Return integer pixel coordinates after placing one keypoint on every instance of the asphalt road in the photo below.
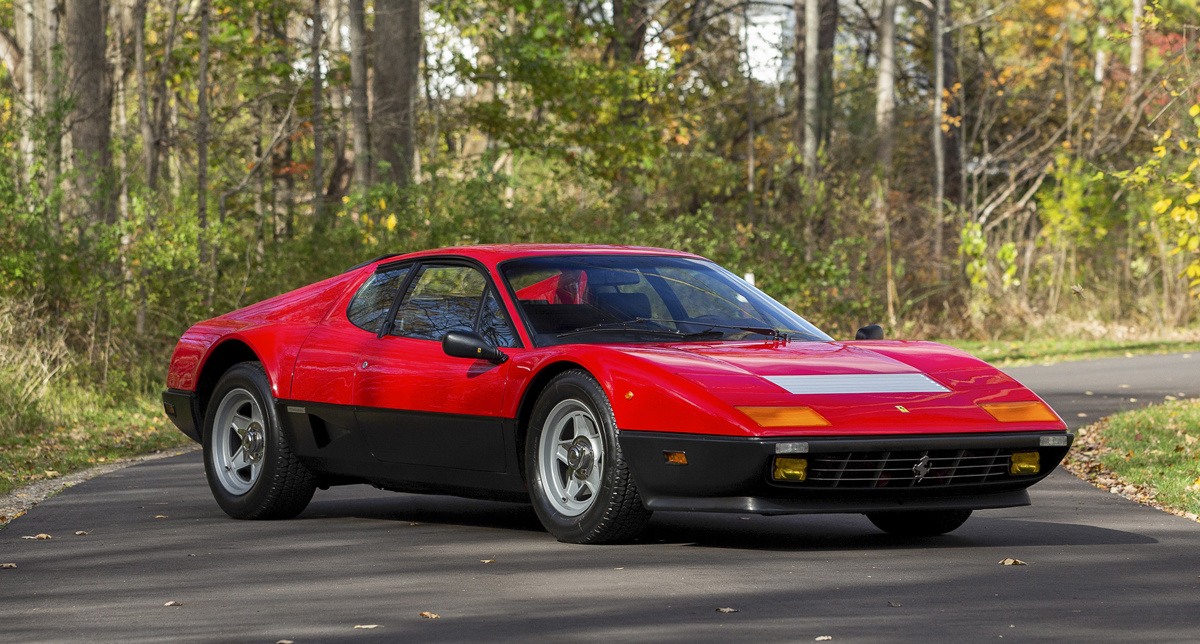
(1100, 568)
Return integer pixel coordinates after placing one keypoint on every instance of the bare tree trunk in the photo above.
(149, 139)
(885, 113)
(1136, 55)
(153, 112)
(91, 119)
(939, 153)
(825, 41)
(1098, 90)
(202, 135)
(630, 17)
(812, 81)
(749, 117)
(885, 87)
(398, 31)
(358, 94)
(318, 95)
(951, 135)
(54, 132)
(27, 66)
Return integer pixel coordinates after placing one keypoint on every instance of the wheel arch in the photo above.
(537, 384)
(224, 356)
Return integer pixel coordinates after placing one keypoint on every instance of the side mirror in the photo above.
(869, 332)
(466, 344)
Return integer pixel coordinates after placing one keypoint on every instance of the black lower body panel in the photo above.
(845, 474)
(183, 409)
(330, 440)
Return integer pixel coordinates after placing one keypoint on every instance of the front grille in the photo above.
(906, 469)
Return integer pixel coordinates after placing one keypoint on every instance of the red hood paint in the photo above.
(734, 375)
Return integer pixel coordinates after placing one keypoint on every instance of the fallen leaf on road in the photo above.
(172, 603)
(823, 638)
(487, 561)
(51, 473)
(80, 533)
(39, 537)
(8, 565)
(366, 626)
(161, 516)
(1012, 562)
(728, 610)
(894, 604)
(414, 524)
(280, 641)
(429, 615)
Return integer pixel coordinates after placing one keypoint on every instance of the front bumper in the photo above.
(183, 408)
(847, 474)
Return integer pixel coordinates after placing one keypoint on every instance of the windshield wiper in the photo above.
(626, 326)
(760, 330)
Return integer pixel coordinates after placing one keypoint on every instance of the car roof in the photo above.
(493, 254)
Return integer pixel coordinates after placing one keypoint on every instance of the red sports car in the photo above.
(600, 383)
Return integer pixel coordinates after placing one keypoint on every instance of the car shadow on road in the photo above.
(853, 532)
(744, 532)
(430, 509)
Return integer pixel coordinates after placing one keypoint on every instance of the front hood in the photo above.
(862, 387)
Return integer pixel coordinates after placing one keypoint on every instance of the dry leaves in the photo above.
(429, 615)
(487, 561)
(1012, 562)
(366, 626)
(172, 603)
(728, 610)
(80, 533)
(39, 537)
(8, 565)
(823, 638)
(894, 604)
(161, 516)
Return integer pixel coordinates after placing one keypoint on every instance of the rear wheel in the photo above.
(919, 523)
(579, 484)
(250, 467)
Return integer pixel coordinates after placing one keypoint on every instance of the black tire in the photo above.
(606, 507)
(273, 483)
(919, 523)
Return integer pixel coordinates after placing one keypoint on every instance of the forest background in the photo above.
(951, 168)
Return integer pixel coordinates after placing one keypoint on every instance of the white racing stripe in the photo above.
(859, 383)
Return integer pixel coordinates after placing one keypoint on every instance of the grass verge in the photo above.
(1151, 455)
(1013, 353)
(91, 435)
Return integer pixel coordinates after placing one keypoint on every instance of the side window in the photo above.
(370, 305)
(441, 299)
(492, 324)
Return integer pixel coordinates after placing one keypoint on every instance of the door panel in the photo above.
(418, 406)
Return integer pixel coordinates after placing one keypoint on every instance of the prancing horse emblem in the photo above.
(921, 468)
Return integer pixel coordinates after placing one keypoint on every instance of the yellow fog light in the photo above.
(1019, 412)
(790, 469)
(784, 416)
(1024, 463)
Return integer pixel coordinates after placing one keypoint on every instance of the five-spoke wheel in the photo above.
(250, 466)
(579, 483)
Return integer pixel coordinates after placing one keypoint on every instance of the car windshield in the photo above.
(632, 298)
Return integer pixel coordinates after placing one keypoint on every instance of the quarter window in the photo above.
(371, 304)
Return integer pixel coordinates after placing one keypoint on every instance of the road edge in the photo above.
(15, 504)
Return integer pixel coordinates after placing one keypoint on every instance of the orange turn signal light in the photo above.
(1020, 412)
(675, 458)
(784, 416)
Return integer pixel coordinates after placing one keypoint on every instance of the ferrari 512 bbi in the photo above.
(599, 383)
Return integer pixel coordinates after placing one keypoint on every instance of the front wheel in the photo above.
(919, 523)
(579, 483)
(250, 467)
